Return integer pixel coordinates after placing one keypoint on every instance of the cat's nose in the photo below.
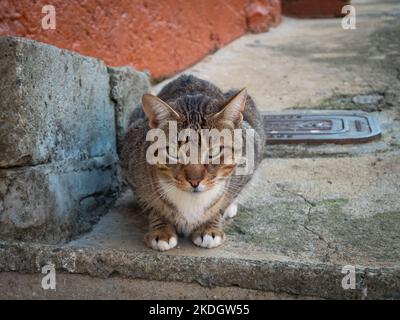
(194, 182)
(194, 174)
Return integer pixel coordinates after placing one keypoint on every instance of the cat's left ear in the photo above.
(157, 111)
(233, 108)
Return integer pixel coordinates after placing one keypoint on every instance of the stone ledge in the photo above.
(83, 287)
(289, 277)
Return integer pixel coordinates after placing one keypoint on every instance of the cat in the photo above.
(188, 199)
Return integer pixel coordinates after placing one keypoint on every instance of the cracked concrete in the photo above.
(310, 211)
(307, 223)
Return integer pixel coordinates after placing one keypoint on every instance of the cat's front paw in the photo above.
(231, 211)
(209, 238)
(161, 240)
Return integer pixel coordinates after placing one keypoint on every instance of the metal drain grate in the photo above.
(320, 127)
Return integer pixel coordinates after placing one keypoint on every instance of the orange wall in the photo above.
(162, 36)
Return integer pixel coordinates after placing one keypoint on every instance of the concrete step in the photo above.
(300, 222)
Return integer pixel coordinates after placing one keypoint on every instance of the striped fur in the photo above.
(166, 191)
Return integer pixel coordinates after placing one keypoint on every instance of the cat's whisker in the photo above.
(159, 189)
(162, 194)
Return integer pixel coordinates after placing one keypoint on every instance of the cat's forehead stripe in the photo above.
(194, 108)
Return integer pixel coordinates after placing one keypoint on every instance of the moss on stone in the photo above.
(296, 227)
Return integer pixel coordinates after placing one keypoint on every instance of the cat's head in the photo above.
(196, 112)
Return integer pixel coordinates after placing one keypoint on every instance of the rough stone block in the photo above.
(127, 88)
(60, 117)
(54, 105)
(54, 202)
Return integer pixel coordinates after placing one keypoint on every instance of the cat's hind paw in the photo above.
(161, 240)
(209, 239)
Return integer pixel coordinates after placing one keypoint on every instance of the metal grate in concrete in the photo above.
(320, 127)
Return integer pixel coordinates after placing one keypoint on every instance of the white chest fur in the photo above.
(191, 206)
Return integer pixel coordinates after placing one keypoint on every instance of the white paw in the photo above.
(162, 245)
(208, 241)
(231, 211)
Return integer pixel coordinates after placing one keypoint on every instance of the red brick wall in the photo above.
(162, 36)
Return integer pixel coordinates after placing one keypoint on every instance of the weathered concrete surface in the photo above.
(280, 242)
(55, 105)
(127, 88)
(54, 202)
(72, 286)
(309, 212)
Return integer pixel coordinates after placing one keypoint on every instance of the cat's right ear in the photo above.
(157, 110)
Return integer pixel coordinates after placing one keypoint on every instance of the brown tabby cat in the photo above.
(189, 199)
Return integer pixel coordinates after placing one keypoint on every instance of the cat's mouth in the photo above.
(197, 190)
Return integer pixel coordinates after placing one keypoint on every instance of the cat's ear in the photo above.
(157, 110)
(233, 108)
